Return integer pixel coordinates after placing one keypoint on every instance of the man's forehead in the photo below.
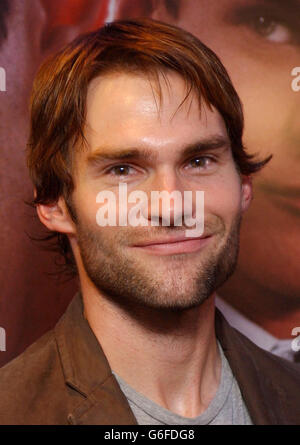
(123, 120)
(126, 102)
(157, 89)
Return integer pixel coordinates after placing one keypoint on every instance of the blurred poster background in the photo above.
(259, 43)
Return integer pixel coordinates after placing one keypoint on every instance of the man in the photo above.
(258, 42)
(144, 105)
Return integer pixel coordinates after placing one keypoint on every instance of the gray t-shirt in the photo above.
(226, 408)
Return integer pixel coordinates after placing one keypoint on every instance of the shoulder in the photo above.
(32, 386)
(30, 360)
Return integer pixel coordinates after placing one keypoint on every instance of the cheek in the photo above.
(86, 207)
(224, 199)
(100, 208)
(260, 119)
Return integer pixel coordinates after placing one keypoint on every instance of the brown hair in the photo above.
(58, 104)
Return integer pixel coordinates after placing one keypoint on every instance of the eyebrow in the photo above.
(215, 143)
(103, 154)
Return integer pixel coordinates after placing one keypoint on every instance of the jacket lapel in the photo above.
(87, 371)
(259, 375)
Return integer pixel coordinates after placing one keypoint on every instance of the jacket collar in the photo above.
(87, 371)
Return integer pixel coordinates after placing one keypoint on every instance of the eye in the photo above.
(271, 29)
(201, 163)
(277, 23)
(120, 170)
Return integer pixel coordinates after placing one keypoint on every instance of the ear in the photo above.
(56, 217)
(247, 192)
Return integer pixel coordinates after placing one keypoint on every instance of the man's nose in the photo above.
(165, 200)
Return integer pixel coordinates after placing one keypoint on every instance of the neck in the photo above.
(170, 357)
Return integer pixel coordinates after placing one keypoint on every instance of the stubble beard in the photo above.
(166, 283)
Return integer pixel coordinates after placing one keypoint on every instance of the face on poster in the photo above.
(29, 32)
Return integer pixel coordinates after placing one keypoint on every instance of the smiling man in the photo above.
(146, 104)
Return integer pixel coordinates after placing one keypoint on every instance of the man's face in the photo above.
(130, 141)
(259, 43)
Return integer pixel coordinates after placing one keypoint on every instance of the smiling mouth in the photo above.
(174, 246)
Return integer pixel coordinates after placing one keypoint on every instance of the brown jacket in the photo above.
(64, 378)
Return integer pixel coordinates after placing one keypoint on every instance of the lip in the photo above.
(174, 245)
